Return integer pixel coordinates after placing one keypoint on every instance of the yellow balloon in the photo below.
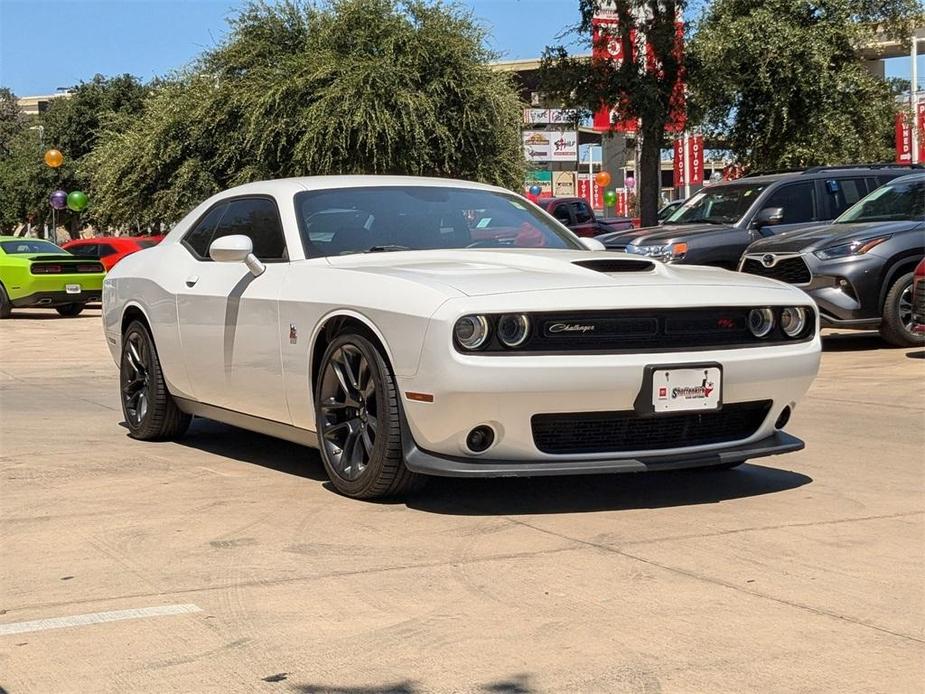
(54, 158)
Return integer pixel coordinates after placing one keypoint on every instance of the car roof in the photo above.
(822, 172)
(290, 186)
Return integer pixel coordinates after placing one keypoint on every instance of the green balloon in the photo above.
(610, 198)
(77, 200)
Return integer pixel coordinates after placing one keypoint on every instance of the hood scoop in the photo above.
(608, 265)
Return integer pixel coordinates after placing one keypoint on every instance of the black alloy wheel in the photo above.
(358, 421)
(150, 411)
(896, 327)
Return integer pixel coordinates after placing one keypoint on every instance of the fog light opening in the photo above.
(783, 418)
(480, 439)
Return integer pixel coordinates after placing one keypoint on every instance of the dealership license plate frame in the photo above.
(645, 400)
(72, 288)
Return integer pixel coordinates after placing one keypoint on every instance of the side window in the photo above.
(560, 212)
(258, 219)
(798, 201)
(843, 193)
(106, 249)
(86, 250)
(199, 237)
(582, 212)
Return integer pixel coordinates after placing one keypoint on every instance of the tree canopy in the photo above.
(352, 86)
(782, 82)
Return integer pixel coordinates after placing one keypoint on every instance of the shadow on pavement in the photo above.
(855, 341)
(916, 355)
(518, 684)
(51, 314)
(249, 447)
(539, 495)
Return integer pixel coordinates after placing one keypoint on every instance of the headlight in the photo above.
(793, 320)
(845, 250)
(513, 329)
(760, 321)
(471, 332)
(666, 253)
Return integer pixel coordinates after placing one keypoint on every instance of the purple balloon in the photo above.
(58, 199)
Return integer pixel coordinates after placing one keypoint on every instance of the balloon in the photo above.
(54, 158)
(602, 178)
(535, 189)
(77, 200)
(58, 200)
(630, 183)
(610, 198)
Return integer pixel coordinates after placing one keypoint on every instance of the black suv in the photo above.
(716, 225)
(859, 269)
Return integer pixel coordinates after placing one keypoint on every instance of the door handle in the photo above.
(192, 280)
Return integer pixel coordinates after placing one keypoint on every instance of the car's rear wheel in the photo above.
(149, 409)
(70, 310)
(896, 327)
(359, 422)
(6, 307)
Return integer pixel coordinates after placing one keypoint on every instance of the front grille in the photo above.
(616, 432)
(790, 270)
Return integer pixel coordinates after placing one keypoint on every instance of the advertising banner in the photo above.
(620, 206)
(920, 120)
(537, 146)
(590, 191)
(564, 145)
(695, 147)
(563, 184)
(680, 175)
(903, 140)
(549, 116)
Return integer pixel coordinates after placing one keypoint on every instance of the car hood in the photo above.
(654, 236)
(489, 271)
(822, 235)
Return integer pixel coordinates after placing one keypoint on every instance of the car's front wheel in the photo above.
(896, 327)
(359, 423)
(149, 409)
(70, 310)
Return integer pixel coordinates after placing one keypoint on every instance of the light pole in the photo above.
(48, 234)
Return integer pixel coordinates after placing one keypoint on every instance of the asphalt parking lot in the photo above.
(225, 563)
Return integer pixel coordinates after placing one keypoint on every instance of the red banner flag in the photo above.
(695, 156)
(920, 112)
(680, 175)
(903, 140)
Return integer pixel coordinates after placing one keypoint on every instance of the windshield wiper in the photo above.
(386, 248)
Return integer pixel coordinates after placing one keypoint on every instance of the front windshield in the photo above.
(896, 201)
(29, 246)
(342, 221)
(717, 205)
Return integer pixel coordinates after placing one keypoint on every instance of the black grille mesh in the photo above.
(615, 432)
(790, 270)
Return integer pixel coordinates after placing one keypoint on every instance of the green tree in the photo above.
(782, 82)
(642, 86)
(352, 86)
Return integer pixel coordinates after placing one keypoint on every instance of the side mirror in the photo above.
(236, 249)
(592, 244)
(768, 216)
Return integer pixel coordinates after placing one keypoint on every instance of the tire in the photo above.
(70, 310)
(896, 327)
(358, 421)
(149, 409)
(6, 307)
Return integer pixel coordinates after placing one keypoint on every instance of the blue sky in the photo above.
(46, 44)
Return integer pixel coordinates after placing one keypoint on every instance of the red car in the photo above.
(110, 249)
(918, 298)
(577, 215)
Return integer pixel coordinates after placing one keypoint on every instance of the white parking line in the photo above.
(79, 620)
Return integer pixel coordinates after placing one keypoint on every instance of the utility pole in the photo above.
(914, 98)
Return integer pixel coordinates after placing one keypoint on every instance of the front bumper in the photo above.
(428, 463)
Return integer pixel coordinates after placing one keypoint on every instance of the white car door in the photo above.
(228, 318)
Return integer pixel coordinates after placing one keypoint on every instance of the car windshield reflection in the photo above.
(718, 205)
(897, 201)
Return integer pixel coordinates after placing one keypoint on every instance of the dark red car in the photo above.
(577, 215)
(110, 249)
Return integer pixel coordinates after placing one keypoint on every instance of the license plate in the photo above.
(72, 288)
(680, 390)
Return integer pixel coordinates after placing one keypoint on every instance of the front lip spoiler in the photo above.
(427, 463)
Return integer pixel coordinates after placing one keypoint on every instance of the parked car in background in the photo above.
(363, 316)
(577, 215)
(918, 299)
(39, 274)
(860, 269)
(109, 249)
(716, 225)
(668, 209)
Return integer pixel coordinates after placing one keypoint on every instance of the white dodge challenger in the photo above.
(409, 327)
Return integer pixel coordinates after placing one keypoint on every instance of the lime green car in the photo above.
(39, 274)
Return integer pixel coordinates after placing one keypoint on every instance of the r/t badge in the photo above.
(293, 334)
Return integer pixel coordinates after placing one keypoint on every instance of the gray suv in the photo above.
(717, 224)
